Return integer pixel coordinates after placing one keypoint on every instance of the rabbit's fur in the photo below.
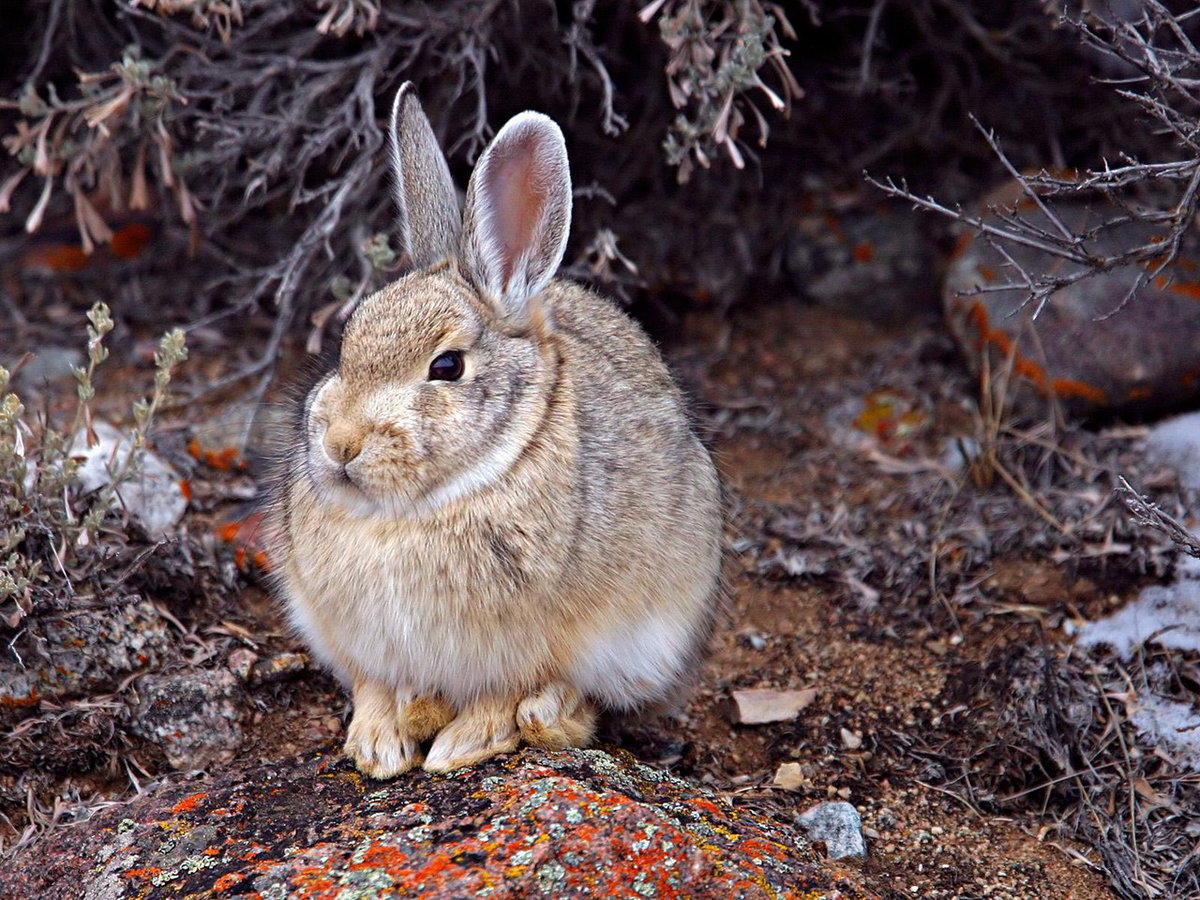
(490, 559)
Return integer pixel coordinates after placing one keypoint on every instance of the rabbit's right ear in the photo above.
(430, 220)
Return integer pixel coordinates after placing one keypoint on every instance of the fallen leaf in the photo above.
(760, 705)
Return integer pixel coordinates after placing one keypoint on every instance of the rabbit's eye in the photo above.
(447, 366)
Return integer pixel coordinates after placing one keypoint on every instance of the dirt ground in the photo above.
(881, 677)
(835, 438)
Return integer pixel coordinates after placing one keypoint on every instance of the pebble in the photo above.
(789, 776)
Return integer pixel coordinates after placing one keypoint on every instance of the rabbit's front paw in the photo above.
(380, 747)
(423, 717)
(480, 730)
(379, 739)
(556, 717)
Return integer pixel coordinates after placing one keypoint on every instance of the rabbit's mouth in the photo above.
(353, 490)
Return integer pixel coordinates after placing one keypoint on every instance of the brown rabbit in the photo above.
(497, 518)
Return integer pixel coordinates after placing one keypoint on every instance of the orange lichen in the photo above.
(961, 243)
(185, 488)
(228, 531)
(57, 258)
(147, 872)
(129, 241)
(864, 252)
(834, 226)
(32, 699)
(889, 415)
(1026, 368)
(708, 806)
(187, 804)
(55, 254)
(227, 459)
(1069, 387)
(1189, 289)
(228, 880)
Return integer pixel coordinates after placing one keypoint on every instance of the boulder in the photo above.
(580, 823)
(1087, 347)
(873, 262)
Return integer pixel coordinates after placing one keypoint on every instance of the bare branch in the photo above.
(1147, 514)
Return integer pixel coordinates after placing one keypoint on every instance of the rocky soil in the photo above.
(874, 559)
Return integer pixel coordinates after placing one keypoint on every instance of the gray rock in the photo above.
(1084, 348)
(192, 716)
(153, 494)
(838, 825)
(874, 264)
(532, 824)
(82, 652)
(50, 365)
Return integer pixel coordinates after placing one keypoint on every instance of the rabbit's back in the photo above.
(648, 532)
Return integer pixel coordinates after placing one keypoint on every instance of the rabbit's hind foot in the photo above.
(555, 718)
(482, 729)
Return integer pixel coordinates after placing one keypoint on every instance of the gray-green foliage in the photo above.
(48, 531)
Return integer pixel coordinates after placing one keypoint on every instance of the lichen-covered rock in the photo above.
(193, 716)
(535, 824)
(1089, 347)
(78, 652)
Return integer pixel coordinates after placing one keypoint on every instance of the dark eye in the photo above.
(447, 367)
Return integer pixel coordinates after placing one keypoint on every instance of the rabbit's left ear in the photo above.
(518, 213)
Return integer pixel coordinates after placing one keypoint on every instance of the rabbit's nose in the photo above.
(343, 442)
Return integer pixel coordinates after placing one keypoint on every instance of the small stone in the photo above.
(789, 776)
(754, 640)
(192, 716)
(241, 663)
(838, 826)
(153, 495)
(761, 705)
(852, 740)
(279, 667)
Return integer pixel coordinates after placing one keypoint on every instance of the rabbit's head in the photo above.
(444, 375)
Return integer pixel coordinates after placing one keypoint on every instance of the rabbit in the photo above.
(494, 519)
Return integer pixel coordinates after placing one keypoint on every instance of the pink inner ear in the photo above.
(516, 201)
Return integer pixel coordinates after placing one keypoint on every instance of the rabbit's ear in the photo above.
(429, 215)
(518, 213)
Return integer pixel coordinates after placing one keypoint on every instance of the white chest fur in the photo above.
(386, 600)
(412, 613)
